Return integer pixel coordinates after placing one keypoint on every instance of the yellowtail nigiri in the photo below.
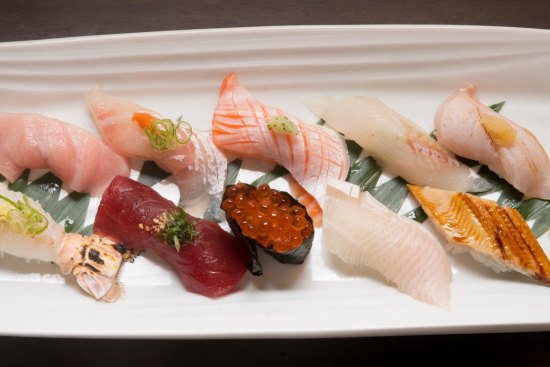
(311, 153)
(396, 142)
(361, 231)
(28, 232)
(472, 130)
(495, 236)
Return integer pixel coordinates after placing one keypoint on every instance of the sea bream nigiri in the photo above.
(363, 232)
(28, 232)
(472, 130)
(80, 159)
(495, 236)
(397, 143)
(245, 126)
(135, 131)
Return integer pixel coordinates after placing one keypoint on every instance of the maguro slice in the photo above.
(495, 236)
(363, 232)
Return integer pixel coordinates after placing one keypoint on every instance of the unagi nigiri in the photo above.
(495, 236)
(396, 142)
(81, 160)
(197, 165)
(472, 130)
(361, 231)
(28, 232)
(311, 153)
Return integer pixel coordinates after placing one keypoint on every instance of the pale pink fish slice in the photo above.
(363, 232)
(314, 155)
(472, 130)
(198, 166)
(81, 160)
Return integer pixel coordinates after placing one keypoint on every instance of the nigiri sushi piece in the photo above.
(495, 236)
(308, 201)
(197, 164)
(397, 143)
(472, 130)
(81, 160)
(207, 259)
(363, 232)
(311, 153)
(28, 232)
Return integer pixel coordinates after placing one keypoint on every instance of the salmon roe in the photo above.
(268, 216)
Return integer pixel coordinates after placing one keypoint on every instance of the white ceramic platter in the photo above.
(412, 68)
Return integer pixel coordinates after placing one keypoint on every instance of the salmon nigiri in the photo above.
(82, 161)
(396, 142)
(363, 232)
(311, 153)
(197, 164)
(472, 130)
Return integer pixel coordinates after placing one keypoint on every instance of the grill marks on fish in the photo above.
(484, 226)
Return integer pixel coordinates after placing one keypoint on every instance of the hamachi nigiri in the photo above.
(245, 126)
(197, 164)
(207, 259)
(363, 232)
(28, 232)
(495, 236)
(81, 160)
(472, 130)
(397, 143)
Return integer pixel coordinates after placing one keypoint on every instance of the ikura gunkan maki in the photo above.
(270, 219)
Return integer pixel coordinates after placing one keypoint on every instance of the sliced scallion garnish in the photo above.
(23, 218)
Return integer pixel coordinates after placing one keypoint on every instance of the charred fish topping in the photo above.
(95, 256)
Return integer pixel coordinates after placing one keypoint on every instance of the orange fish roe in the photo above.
(268, 216)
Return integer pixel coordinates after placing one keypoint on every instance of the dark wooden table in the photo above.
(39, 19)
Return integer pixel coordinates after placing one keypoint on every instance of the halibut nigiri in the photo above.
(361, 231)
(495, 236)
(472, 130)
(396, 142)
(311, 153)
(81, 160)
(194, 160)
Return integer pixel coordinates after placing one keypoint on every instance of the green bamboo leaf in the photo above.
(2, 178)
(497, 106)
(321, 122)
(45, 190)
(72, 209)
(88, 230)
(354, 150)
(392, 193)
(151, 174)
(21, 183)
(497, 183)
(233, 169)
(510, 196)
(418, 215)
(542, 222)
(530, 207)
(364, 173)
(274, 174)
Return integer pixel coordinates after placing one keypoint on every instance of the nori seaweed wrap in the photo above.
(270, 219)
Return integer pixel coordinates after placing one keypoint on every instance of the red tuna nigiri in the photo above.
(211, 263)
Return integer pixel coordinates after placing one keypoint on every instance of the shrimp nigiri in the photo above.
(81, 160)
(396, 142)
(472, 130)
(28, 232)
(363, 232)
(311, 153)
(197, 165)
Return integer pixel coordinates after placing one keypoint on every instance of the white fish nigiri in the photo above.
(396, 142)
(81, 160)
(198, 165)
(472, 130)
(361, 231)
(28, 232)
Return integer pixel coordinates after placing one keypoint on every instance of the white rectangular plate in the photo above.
(411, 68)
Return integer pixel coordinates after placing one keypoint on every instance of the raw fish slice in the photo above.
(313, 155)
(361, 231)
(495, 236)
(198, 166)
(211, 264)
(82, 161)
(93, 260)
(472, 130)
(308, 201)
(396, 142)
